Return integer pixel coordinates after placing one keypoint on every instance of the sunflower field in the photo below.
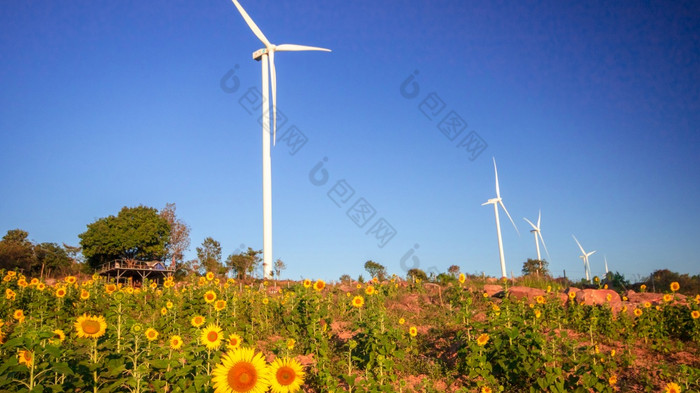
(211, 334)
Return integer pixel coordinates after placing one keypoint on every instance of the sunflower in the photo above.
(572, 295)
(538, 313)
(18, 315)
(401, 321)
(672, 387)
(175, 342)
(290, 343)
(608, 297)
(358, 286)
(462, 278)
(358, 301)
(233, 342)
(41, 286)
(58, 336)
(22, 283)
(60, 292)
(220, 305)
(413, 331)
(482, 339)
(307, 283)
(163, 311)
(319, 285)
(638, 312)
(10, 294)
(668, 297)
(197, 321)
(486, 389)
(70, 279)
(695, 314)
(211, 336)
(675, 286)
(169, 305)
(647, 304)
(241, 370)
(540, 299)
(90, 326)
(612, 380)
(151, 334)
(210, 296)
(369, 290)
(265, 301)
(643, 288)
(110, 288)
(26, 357)
(84, 295)
(286, 376)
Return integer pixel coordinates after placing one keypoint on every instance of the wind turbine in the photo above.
(266, 56)
(584, 256)
(495, 202)
(605, 258)
(536, 230)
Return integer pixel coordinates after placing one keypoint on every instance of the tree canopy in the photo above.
(18, 252)
(138, 233)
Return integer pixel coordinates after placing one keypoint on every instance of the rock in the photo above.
(597, 297)
(491, 289)
(642, 297)
(518, 293)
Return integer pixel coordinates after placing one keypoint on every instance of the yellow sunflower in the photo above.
(197, 321)
(668, 297)
(60, 292)
(462, 278)
(482, 339)
(695, 314)
(58, 336)
(41, 286)
(220, 305)
(286, 376)
(290, 343)
(26, 357)
(110, 288)
(151, 334)
(540, 299)
(241, 370)
(211, 336)
(358, 301)
(643, 288)
(638, 312)
(163, 311)
(233, 342)
(307, 283)
(319, 285)
(538, 313)
(369, 290)
(401, 321)
(169, 305)
(18, 315)
(675, 286)
(612, 380)
(413, 331)
(10, 294)
(647, 304)
(90, 326)
(486, 389)
(175, 342)
(672, 387)
(210, 296)
(70, 279)
(84, 295)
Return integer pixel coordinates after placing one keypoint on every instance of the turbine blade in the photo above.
(256, 30)
(495, 170)
(273, 85)
(545, 246)
(508, 214)
(532, 225)
(579, 244)
(296, 48)
(589, 254)
(539, 218)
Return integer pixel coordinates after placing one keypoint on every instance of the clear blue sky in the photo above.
(591, 110)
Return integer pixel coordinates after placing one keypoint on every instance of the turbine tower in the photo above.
(495, 202)
(266, 56)
(536, 231)
(584, 255)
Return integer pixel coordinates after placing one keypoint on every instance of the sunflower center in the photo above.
(91, 327)
(233, 342)
(242, 377)
(27, 356)
(285, 375)
(212, 336)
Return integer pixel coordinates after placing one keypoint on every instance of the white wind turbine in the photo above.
(536, 230)
(584, 255)
(266, 56)
(495, 202)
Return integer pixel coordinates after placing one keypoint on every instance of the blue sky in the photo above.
(590, 109)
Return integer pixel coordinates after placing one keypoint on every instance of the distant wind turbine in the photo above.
(267, 57)
(536, 230)
(605, 257)
(495, 202)
(584, 256)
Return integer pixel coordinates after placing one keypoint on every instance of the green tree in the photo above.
(375, 270)
(179, 241)
(278, 266)
(536, 267)
(244, 262)
(209, 256)
(52, 259)
(416, 274)
(16, 251)
(135, 233)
